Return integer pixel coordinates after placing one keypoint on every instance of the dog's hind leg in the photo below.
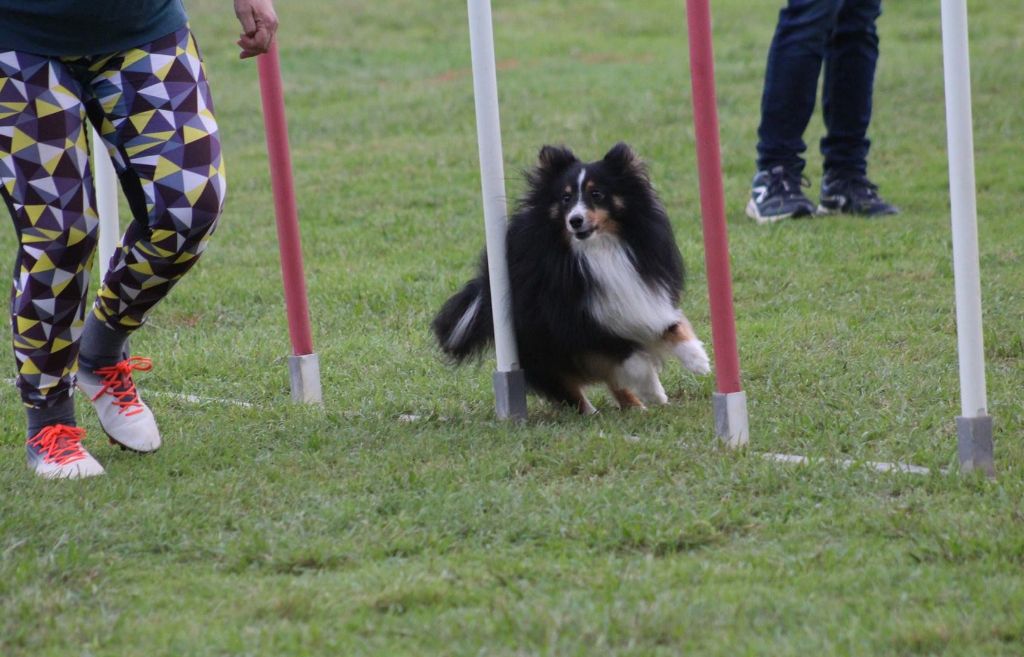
(560, 391)
(626, 398)
(682, 343)
(581, 403)
(639, 374)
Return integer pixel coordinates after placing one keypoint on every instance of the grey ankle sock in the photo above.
(62, 412)
(101, 345)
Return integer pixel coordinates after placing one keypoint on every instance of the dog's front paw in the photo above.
(693, 357)
(656, 394)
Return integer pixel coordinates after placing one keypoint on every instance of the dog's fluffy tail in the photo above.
(464, 326)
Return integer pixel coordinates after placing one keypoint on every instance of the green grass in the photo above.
(285, 530)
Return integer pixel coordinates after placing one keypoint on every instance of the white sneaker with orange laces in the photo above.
(56, 452)
(125, 418)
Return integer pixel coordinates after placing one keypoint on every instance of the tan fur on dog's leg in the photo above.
(680, 332)
(626, 398)
(686, 347)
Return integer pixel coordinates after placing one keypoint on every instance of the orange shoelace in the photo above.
(59, 443)
(117, 380)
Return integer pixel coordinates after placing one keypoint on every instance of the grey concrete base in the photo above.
(510, 395)
(975, 444)
(304, 372)
(731, 418)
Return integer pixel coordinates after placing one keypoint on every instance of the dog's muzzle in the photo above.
(580, 227)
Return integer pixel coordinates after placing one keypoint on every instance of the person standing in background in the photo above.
(841, 35)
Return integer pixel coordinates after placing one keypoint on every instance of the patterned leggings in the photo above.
(153, 109)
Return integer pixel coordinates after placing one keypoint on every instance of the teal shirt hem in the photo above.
(65, 28)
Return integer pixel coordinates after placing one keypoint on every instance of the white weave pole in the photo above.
(509, 385)
(974, 426)
(105, 181)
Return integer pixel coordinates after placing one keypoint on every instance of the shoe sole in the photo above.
(773, 218)
(823, 211)
(126, 448)
(75, 472)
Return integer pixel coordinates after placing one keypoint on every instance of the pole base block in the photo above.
(304, 372)
(510, 395)
(975, 444)
(731, 424)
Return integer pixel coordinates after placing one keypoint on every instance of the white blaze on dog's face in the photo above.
(576, 218)
(586, 206)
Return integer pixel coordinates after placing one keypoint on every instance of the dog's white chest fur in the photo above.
(621, 301)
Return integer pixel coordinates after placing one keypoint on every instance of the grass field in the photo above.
(274, 529)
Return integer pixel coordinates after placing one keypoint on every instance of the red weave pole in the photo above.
(295, 299)
(712, 197)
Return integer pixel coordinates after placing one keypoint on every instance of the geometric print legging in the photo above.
(152, 107)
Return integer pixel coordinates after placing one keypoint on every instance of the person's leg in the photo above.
(850, 61)
(153, 108)
(787, 103)
(791, 81)
(46, 186)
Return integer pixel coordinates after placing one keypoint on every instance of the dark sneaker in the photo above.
(852, 194)
(776, 194)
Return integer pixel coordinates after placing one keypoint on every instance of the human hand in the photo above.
(259, 24)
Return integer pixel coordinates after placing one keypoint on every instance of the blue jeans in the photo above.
(841, 34)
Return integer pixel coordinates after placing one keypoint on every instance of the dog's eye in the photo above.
(566, 198)
(597, 195)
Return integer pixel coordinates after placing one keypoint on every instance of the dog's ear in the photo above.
(622, 157)
(553, 160)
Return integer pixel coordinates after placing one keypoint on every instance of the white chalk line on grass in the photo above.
(880, 466)
(197, 399)
(797, 459)
(191, 399)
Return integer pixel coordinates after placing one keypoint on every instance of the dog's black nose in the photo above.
(575, 222)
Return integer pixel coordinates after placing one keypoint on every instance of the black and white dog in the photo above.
(595, 278)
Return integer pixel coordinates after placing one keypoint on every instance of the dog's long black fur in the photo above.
(551, 284)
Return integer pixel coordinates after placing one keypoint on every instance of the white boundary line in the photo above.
(879, 466)
(197, 399)
(191, 399)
